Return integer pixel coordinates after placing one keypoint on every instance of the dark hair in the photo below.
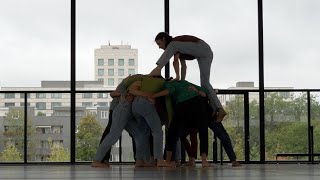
(164, 35)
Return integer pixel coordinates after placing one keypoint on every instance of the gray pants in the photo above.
(202, 51)
(122, 119)
(146, 115)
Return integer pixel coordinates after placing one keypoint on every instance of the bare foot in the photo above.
(236, 164)
(206, 164)
(221, 114)
(99, 164)
(141, 163)
(191, 163)
(163, 163)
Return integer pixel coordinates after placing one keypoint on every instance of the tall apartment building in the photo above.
(115, 62)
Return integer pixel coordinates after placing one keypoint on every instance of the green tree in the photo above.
(58, 153)
(88, 137)
(11, 154)
(275, 106)
(14, 130)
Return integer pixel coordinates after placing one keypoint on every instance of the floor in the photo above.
(248, 172)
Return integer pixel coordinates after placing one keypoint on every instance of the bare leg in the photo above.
(221, 114)
(205, 163)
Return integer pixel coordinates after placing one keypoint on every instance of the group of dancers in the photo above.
(143, 104)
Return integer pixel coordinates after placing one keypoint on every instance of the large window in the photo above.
(230, 28)
(291, 43)
(35, 42)
(111, 40)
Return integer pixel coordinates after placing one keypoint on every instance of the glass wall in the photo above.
(48, 127)
(254, 126)
(291, 43)
(230, 28)
(286, 124)
(116, 38)
(315, 119)
(35, 42)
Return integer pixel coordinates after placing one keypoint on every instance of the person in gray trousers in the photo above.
(123, 119)
(188, 47)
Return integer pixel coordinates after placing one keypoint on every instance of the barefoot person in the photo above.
(188, 47)
(189, 111)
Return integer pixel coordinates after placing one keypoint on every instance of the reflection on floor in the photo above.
(248, 172)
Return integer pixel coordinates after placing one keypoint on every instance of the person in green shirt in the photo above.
(189, 111)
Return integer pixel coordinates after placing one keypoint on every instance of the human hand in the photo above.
(192, 88)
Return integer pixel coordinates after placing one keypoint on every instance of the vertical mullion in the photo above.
(25, 147)
(246, 127)
(73, 82)
(261, 82)
(166, 29)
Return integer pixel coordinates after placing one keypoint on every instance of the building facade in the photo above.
(49, 113)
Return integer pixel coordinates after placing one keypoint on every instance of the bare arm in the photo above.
(199, 91)
(161, 93)
(183, 69)
(134, 89)
(156, 71)
(115, 94)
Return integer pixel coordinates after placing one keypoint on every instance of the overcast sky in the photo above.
(35, 38)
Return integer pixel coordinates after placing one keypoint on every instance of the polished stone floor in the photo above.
(248, 172)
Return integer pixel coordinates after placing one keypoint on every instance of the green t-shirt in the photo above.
(152, 84)
(179, 91)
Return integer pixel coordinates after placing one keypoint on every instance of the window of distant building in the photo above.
(87, 95)
(110, 62)
(40, 95)
(104, 114)
(131, 71)
(22, 95)
(100, 62)
(55, 104)
(87, 104)
(120, 62)
(110, 82)
(41, 105)
(56, 95)
(9, 95)
(102, 104)
(22, 104)
(119, 80)
(110, 72)
(102, 95)
(121, 72)
(100, 72)
(9, 104)
(131, 62)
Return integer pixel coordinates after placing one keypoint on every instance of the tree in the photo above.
(58, 153)
(11, 154)
(14, 130)
(88, 137)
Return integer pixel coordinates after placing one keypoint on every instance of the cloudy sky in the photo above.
(35, 38)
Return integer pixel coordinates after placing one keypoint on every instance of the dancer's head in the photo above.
(163, 39)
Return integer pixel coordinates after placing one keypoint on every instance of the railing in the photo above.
(246, 98)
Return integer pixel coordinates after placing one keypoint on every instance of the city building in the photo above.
(50, 112)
